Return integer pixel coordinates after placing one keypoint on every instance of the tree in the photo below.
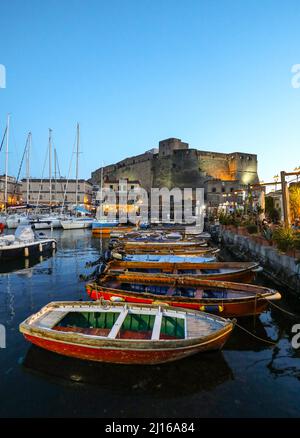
(294, 191)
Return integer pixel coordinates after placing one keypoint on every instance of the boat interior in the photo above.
(134, 326)
(204, 292)
(127, 322)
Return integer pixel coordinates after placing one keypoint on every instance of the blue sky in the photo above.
(214, 73)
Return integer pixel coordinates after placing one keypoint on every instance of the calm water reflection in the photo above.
(249, 378)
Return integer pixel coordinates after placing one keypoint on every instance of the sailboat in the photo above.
(10, 220)
(49, 220)
(77, 223)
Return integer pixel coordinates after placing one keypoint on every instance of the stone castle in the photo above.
(174, 164)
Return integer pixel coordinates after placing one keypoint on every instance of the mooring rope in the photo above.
(282, 310)
(254, 336)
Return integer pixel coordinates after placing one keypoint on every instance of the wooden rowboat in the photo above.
(229, 271)
(159, 258)
(199, 251)
(152, 245)
(106, 231)
(124, 333)
(219, 297)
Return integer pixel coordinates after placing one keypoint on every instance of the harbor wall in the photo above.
(279, 267)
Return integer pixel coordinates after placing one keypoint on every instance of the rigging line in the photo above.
(13, 137)
(20, 167)
(59, 174)
(254, 336)
(67, 183)
(40, 187)
(3, 139)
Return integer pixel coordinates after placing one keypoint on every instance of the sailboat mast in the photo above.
(55, 174)
(50, 167)
(28, 165)
(77, 162)
(6, 163)
(101, 188)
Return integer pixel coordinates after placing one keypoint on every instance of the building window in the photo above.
(132, 187)
(223, 189)
(214, 190)
(231, 189)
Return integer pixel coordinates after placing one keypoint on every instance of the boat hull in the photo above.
(75, 225)
(98, 231)
(134, 270)
(28, 251)
(233, 309)
(47, 224)
(129, 356)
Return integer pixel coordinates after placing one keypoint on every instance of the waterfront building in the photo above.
(61, 191)
(14, 191)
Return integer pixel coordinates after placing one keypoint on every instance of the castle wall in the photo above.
(134, 168)
(177, 166)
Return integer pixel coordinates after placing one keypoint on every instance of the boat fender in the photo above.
(212, 308)
(117, 256)
(40, 247)
(101, 268)
(26, 252)
(160, 303)
(114, 299)
(107, 255)
(53, 245)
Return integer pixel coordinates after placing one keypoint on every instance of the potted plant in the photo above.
(284, 238)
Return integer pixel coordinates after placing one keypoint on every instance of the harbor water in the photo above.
(249, 378)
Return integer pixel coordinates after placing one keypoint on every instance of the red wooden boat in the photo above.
(219, 297)
(124, 333)
(229, 271)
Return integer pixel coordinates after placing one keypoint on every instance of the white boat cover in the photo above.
(24, 233)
